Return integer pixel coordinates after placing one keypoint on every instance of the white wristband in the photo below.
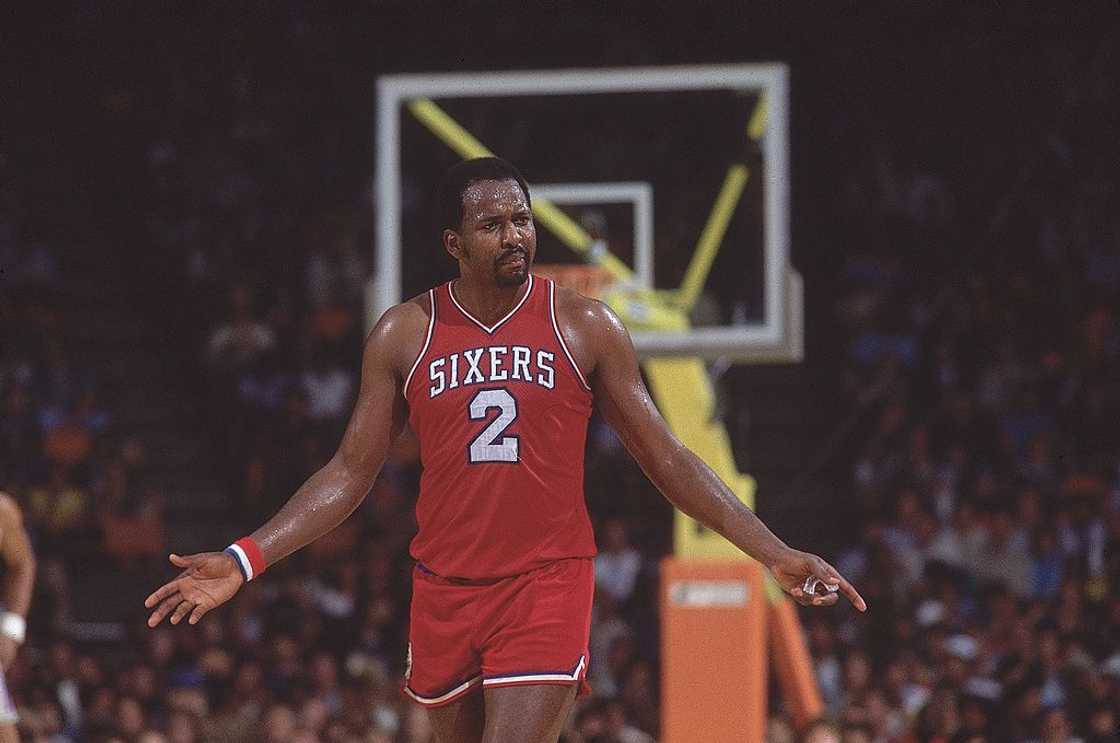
(13, 625)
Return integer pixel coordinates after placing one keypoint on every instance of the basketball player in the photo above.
(19, 580)
(497, 372)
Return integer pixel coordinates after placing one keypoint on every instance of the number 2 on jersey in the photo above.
(489, 445)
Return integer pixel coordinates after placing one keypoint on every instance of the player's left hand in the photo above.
(795, 570)
(8, 650)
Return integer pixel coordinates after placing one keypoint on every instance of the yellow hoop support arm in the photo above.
(712, 236)
(756, 127)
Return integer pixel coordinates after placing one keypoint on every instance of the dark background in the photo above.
(955, 217)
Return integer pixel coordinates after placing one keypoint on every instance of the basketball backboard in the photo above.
(704, 150)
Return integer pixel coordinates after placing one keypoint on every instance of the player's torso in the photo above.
(501, 414)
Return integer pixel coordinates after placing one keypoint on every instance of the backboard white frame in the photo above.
(777, 338)
(636, 193)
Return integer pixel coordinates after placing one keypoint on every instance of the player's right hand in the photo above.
(208, 580)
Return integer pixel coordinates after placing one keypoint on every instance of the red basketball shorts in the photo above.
(528, 629)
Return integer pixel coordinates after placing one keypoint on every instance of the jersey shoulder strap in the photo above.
(427, 339)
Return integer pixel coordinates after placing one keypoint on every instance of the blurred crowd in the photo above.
(82, 480)
(974, 319)
(982, 360)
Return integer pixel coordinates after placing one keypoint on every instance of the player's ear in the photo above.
(453, 244)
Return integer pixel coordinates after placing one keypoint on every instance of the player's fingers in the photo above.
(832, 575)
(181, 611)
(797, 593)
(184, 561)
(788, 583)
(803, 599)
(826, 600)
(198, 613)
(853, 595)
(161, 593)
(164, 609)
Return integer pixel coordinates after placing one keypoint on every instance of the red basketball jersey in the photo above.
(501, 414)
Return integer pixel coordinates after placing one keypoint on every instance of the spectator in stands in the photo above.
(60, 511)
(263, 386)
(20, 444)
(86, 413)
(336, 271)
(328, 388)
(67, 441)
(821, 731)
(130, 508)
(241, 338)
(617, 565)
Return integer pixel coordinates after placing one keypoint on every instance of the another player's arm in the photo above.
(328, 496)
(19, 578)
(681, 476)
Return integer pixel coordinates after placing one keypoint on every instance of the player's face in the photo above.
(497, 237)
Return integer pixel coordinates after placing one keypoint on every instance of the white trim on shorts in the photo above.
(458, 691)
(539, 678)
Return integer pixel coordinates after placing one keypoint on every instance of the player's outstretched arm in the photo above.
(19, 579)
(329, 496)
(681, 476)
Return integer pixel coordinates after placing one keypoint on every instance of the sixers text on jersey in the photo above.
(492, 364)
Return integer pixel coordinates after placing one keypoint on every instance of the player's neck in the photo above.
(485, 301)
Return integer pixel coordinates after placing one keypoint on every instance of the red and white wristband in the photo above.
(248, 556)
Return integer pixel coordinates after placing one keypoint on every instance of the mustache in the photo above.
(511, 252)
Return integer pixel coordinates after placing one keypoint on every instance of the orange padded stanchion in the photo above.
(714, 643)
(792, 663)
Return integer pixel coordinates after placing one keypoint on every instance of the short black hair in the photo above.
(449, 195)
